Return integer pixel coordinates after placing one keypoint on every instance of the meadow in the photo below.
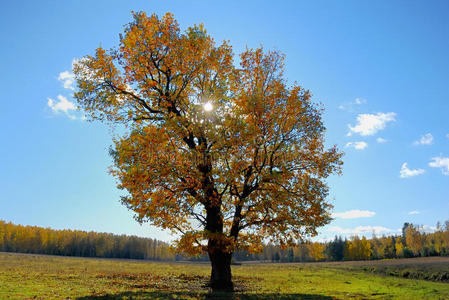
(29, 276)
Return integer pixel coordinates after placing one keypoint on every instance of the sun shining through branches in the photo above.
(208, 106)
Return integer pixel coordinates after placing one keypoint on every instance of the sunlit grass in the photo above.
(49, 277)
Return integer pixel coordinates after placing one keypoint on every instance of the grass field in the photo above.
(27, 276)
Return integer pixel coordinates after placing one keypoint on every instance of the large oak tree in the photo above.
(226, 157)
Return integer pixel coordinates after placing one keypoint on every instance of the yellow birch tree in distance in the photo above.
(228, 158)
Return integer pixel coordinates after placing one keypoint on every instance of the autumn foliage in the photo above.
(34, 239)
(227, 157)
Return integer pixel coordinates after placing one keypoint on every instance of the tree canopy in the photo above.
(227, 157)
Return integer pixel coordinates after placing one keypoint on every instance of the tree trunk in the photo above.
(220, 278)
(218, 246)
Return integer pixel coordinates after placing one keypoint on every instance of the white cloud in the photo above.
(381, 140)
(426, 139)
(447, 135)
(61, 105)
(415, 212)
(357, 145)
(349, 106)
(68, 79)
(354, 214)
(406, 172)
(323, 239)
(359, 230)
(442, 163)
(370, 124)
(428, 229)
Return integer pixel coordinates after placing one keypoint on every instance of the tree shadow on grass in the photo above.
(192, 295)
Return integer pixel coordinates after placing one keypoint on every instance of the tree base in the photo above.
(220, 277)
(221, 286)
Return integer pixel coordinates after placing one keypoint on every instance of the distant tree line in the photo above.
(413, 242)
(33, 239)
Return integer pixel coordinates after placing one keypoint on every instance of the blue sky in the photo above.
(380, 68)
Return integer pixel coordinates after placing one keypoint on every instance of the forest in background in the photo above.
(34, 239)
(413, 242)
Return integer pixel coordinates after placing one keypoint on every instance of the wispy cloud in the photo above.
(357, 145)
(323, 239)
(360, 101)
(426, 139)
(68, 79)
(61, 105)
(367, 230)
(381, 140)
(405, 172)
(442, 163)
(349, 106)
(354, 214)
(360, 230)
(447, 135)
(414, 212)
(428, 229)
(370, 124)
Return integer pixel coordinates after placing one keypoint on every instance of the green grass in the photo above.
(50, 277)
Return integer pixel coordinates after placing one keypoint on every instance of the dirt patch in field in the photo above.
(425, 261)
(425, 268)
